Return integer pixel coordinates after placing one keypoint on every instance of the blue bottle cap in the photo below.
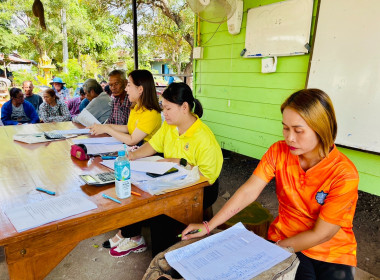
(121, 153)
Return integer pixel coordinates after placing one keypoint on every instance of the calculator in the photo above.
(99, 179)
(53, 135)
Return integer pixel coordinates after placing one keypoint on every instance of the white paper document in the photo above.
(97, 140)
(86, 118)
(110, 163)
(96, 149)
(157, 167)
(39, 213)
(151, 158)
(37, 138)
(73, 131)
(145, 165)
(31, 138)
(235, 253)
(159, 185)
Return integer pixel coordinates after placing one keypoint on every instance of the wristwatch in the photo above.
(183, 162)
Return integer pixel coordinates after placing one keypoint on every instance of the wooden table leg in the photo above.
(38, 266)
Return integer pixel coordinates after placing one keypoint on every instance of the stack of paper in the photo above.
(98, 140)
(97, 149)
(159, 185)
(35, 214)
(78, 131)
(31, 138)
(37, 138)
(235, 253)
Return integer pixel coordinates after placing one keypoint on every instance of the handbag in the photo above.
(79, 151)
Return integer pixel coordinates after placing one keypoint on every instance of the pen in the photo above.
(135, 193)
(108, 157)
(46, 191)
(191, 232)
(113, 199)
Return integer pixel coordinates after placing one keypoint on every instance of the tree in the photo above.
(90, 28)
(178, 29)
(165, 27)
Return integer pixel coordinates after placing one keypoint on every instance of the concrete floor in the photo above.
(89, 260)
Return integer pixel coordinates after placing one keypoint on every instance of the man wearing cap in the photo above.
(60, 90)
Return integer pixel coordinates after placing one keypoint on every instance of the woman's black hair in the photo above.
(179, 93)
(149, 97)
(13, 92)
(51, 92)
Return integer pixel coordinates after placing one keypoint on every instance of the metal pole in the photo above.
(135, 45)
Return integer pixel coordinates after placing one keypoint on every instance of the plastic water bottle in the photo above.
(122, 176)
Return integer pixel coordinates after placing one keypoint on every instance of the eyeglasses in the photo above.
(114, 85)
(20, 97)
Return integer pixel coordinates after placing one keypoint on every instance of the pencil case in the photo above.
(79, 151)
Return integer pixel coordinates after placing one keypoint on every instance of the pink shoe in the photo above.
(127, 246)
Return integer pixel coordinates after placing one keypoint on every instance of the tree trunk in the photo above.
(64, 41)
(188, 71)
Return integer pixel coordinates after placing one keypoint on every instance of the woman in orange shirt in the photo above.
(317, 189)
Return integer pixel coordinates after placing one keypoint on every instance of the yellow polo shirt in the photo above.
(148, 121)
(197, 145)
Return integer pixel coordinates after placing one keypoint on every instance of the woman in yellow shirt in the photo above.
(185, 140)
(144, 119)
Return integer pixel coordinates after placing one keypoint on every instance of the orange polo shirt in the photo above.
(328, 190)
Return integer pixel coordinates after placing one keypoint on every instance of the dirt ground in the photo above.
(237, 169)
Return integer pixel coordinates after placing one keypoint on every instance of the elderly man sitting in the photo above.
(99, 105)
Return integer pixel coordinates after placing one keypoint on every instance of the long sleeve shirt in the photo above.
(6, 113)
(58, 113)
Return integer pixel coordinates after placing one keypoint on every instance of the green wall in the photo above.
(242, 105)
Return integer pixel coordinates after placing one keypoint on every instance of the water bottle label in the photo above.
(125, 173)
(123, 189)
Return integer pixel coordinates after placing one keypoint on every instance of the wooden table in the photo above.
(32, 254)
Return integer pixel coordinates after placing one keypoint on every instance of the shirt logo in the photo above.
(320, 197)
(186, 147)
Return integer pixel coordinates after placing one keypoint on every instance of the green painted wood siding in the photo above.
(242, 105)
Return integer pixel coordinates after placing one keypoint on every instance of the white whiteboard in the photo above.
(346, 65)
(279, 29)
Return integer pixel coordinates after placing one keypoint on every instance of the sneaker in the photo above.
(110, 244)
(127, 246)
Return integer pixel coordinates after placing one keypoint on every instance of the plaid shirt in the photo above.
(120, 110)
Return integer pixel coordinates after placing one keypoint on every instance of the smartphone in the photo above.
(170, 171)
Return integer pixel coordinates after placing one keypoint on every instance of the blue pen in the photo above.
(46, 191)
(113, 199)
(108, 157)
